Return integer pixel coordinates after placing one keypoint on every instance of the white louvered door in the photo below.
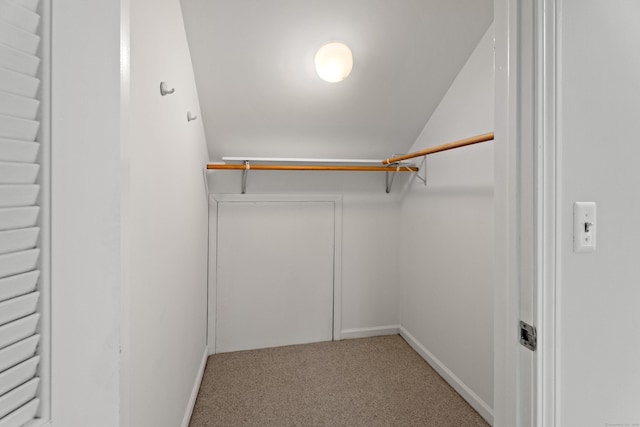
(20, 216)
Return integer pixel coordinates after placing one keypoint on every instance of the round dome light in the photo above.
(334, 62)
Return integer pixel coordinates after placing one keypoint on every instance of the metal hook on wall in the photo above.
(164, 91)
(191, 117)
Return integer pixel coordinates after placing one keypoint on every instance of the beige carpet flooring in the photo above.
(368, 382)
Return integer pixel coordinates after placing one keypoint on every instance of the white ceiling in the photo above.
(260, 95)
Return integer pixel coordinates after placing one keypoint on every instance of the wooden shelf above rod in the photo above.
(431, 150)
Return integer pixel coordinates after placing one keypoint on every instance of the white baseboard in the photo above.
(348, 334)
(196, 389)
(467, 394)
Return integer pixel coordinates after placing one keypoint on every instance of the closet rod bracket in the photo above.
(245, 173)
(390, 176)
(422, 168)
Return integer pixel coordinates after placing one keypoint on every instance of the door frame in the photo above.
(216, 199)
(524, 383)
(548, 211)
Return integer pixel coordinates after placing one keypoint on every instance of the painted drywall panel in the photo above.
(85, 213)
(167, 221)
(599, 105)
(274, 273)
(369, 235)
(446, 254)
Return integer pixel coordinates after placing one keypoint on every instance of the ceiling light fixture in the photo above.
(334, 62)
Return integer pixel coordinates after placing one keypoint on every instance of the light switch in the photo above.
(584, 227)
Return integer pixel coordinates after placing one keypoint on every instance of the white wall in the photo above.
(369, 261)
(85, 214)
(598, 378)
(166, 226)
(446, 254)
(369, 236)
(129, 217)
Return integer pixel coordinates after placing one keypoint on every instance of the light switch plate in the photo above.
(584, 227)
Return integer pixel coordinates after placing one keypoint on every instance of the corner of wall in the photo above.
(446, 273)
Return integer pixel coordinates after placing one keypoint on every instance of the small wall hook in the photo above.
(191, 117)
(164, 91)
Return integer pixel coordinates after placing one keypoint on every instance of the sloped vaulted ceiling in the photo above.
(260, 95)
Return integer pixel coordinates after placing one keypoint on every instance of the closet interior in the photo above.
(306, 247)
